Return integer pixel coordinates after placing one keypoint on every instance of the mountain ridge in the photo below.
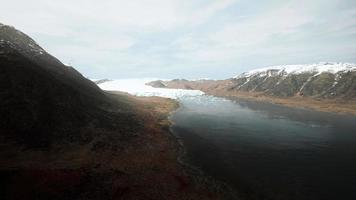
(317, 68)
(40, 95)
(321, 86)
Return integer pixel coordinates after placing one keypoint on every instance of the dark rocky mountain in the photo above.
(42, 100)
(62, 137)
(50, 115)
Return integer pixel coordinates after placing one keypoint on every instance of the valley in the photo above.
(329, 87)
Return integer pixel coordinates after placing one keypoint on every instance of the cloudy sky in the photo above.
(186, 38)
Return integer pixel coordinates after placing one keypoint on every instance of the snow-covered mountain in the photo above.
(315, 69)
(322, 80)
(318, 81)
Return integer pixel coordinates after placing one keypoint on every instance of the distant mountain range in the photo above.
(318, 81)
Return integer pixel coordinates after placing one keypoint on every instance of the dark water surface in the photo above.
(267, 151)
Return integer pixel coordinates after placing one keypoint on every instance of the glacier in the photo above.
(137, 87)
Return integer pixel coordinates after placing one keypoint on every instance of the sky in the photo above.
(186, 38)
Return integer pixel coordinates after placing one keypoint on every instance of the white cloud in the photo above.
(127, 38)
(279, 31)
(251, 33)
(149, 15)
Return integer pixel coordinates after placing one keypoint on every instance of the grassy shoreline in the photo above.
(323, 105)
(196, 179)
(113, 164)
(191, 183)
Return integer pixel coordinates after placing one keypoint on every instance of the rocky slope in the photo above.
(44, 101)
(62, 137)
(323, 80)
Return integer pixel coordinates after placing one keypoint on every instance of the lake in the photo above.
(268, 151)
(264, 151)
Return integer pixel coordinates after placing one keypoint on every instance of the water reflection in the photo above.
(269, 151)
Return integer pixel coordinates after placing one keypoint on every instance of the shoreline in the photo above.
(193, 178)
(218, 187)
(338, 105)
(330, 106)
(139, 161)
(199, 178)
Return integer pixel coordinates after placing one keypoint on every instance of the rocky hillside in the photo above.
(41, 100)
(323, 80)
(320, 81)
(62, 137)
